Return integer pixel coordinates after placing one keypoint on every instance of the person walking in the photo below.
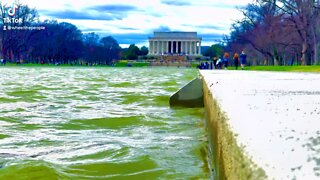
(215, 59)
(243, 59)
(219, 63)
(236, 60)
(225, 60)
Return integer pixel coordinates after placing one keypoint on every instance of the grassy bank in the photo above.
(118, 64)
(281, 68)
(285, 68)
(125, 63)
(121, 63)
(131, 64)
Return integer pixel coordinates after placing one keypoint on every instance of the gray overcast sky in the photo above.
(133, 21)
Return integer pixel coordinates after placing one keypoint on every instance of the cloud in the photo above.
(214, 37)
(123, 10)
(76, 15)
(103, 30)
(131, 37)
(128, 38)
(89, 30)
(205, 26)
(100, 12)
(211, 27)
(134, 21)
(227, 6)
(113, 8)
(128, 28)
(175, 3)
(162, 29)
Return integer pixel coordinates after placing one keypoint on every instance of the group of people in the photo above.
(222, 62)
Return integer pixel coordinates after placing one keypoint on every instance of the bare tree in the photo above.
(281, 30)
(304, 15)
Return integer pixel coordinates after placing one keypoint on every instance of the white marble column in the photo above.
(167, 47)
(157, 47)
(190, 47)
(162, 48)
(177, 46)
(182, 47)
(172, 47)
(186, 47)
(195, 47)
(199, 51)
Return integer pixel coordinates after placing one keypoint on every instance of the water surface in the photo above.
(62, 123)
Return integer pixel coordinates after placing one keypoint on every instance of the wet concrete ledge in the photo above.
(263, 125)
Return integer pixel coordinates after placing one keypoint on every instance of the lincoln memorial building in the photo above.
(182, 43)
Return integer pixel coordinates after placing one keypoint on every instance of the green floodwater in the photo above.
(98, 123)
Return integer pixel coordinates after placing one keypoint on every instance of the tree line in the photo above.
(278, 32)
(272, 32)
(61, 43)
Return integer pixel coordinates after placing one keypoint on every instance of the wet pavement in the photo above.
(275, 117)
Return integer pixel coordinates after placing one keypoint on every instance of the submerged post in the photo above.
(191, 95)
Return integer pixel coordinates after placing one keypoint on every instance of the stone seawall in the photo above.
(263, 125)
(230, 161)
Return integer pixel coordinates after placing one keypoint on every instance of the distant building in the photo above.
(181, 43)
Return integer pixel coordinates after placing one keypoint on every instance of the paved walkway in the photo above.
(276, 116)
